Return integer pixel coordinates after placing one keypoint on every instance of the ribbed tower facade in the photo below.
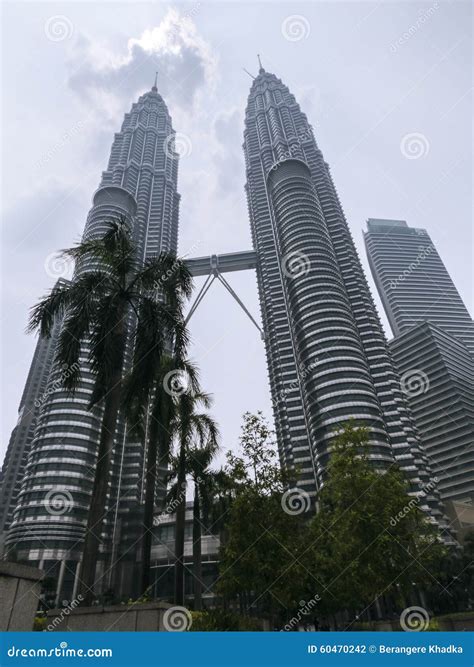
(327, 355)
(413, 281)
(432, 348)
(32, 400)
(140, 183)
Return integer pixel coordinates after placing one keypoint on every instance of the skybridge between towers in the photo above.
(213, 266)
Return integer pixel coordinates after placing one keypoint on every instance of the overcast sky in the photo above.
(386, 86)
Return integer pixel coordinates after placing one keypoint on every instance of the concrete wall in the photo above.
(20, 588)
(142, 617)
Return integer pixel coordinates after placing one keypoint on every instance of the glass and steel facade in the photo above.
(413, 282)
(432, 348)
(327, 356)
(140, 183)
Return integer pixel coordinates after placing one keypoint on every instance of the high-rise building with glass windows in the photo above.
(328, 359)
(413, 282)
(432, 348)
(327, 355)
(140, 184)
(32, 400)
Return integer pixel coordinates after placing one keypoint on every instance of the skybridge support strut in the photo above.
(214, 266)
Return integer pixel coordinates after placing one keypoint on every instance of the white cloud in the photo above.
(185, 63)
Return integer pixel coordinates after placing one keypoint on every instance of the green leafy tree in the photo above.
(109, 294)
(453, 588)
(369, 536)
(260, 554)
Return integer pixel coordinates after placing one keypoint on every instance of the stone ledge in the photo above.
(146, 616)
(100, 609)
(9, 569)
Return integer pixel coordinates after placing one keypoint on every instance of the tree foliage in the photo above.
(369, 537)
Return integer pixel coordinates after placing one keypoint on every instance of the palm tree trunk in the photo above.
(180, 527)
(150, 489)
(197, 555)
(96, 514)
(159, 442)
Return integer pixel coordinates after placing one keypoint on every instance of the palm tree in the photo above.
(158, 409)
(205, 482)
(193, 430)
(110, 295)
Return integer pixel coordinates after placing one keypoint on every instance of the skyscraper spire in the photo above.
(326, 350)
(148, 199)
(154, 87)
(261, 70)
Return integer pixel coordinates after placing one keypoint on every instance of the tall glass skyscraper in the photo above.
(432, 348)
(413, 282)
(327, 355)
(140, 183)
(32, 400)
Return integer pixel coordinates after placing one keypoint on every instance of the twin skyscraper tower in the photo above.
(327, 355)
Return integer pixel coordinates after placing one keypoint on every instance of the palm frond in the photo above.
(63, 295)
(114, 251)
(166, 273)
(107, 344)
